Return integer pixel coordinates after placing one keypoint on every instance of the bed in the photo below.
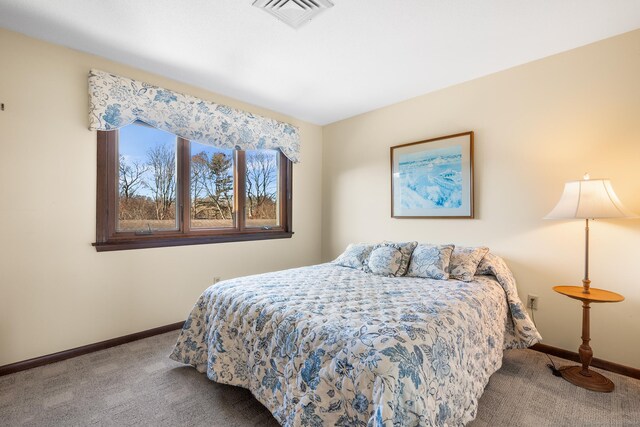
(329, 345)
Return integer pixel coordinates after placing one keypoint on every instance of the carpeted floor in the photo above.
(136, 384)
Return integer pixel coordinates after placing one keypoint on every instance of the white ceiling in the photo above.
(355, 57)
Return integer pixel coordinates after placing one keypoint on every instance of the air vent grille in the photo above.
(294, 12)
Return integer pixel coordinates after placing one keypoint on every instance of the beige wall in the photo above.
(536, 126)
(56, 291)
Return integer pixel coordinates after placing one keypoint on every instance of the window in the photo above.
(156, 189)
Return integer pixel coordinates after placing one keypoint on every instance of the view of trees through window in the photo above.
(261, 206)
(148, 183)
(147, 170)
(212, 179)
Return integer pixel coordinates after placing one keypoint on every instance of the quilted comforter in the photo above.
(328, 345)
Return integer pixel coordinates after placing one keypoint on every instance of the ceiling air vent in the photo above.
(294, 12)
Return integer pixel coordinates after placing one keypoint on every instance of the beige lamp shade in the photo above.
(589, 199)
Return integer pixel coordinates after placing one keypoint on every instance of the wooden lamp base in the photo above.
(593, 381)
(581, 375)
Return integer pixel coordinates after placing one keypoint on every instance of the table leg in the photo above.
(585, 351)
(581, 375)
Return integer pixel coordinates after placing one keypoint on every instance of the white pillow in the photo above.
(464, 262)
(431, 261)
(355, 256)
(391, 259)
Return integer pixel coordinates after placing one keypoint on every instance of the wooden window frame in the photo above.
(108, 239)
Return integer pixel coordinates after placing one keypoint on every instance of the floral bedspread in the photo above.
(329, 345)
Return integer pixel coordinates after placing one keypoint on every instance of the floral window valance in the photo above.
(118, 101)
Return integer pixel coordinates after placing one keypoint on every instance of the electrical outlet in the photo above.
(532, 302)
(216, 280)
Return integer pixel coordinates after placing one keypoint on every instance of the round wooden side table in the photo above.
(581, 375)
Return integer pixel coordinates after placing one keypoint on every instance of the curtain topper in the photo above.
(118, 101)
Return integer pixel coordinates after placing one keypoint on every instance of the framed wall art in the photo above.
(433, 178)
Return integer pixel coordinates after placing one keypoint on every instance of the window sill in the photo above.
(164, 241)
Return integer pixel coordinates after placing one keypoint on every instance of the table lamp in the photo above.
(588, 199)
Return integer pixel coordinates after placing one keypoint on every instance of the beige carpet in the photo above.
(136, 384)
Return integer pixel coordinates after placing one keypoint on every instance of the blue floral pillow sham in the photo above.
(355, 256)
(465, 261)
(485, 268)
(390, 259)
(430, 261)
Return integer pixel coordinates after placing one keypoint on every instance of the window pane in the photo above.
(212, 176)
(147, 170)
(262, 207)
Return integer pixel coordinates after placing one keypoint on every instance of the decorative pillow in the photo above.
(391, 259)
(355, 256)
(430, 261)
(485, 268)
(464, 262)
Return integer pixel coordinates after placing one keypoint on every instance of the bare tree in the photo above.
(261, 183)
(162, 163)
(220, 166)
(212, 185)
(199, 173)
(131, 177)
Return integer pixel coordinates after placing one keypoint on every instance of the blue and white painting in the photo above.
(433, 178)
